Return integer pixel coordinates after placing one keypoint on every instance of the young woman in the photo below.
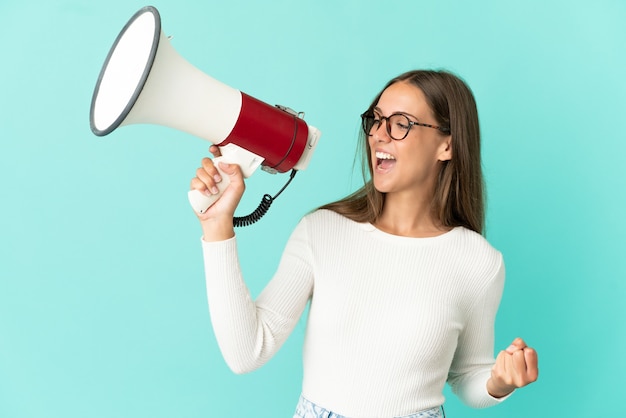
(403, 287)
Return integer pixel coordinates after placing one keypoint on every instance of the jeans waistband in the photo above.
(307, 409)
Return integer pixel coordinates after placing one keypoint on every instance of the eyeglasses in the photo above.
(398, 125)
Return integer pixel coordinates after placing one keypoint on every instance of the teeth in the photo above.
(384, 156)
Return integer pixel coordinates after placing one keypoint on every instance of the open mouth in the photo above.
(384, 160)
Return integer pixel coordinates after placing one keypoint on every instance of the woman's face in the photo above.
(408, 165)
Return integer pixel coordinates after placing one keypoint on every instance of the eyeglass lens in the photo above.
(398, 125)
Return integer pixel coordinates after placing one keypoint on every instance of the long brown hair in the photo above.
(458, 198)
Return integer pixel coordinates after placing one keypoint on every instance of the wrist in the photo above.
(217, 229)
(498, 390)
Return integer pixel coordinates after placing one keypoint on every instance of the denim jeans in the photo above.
(307, 409)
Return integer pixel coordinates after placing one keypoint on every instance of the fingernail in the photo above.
(217, 178)
(511, 349)
(214, 190)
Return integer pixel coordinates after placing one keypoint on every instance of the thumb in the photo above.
(236, 185)
(517, 344)
(231, 170)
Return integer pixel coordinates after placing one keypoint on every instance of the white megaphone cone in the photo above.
(145, 81)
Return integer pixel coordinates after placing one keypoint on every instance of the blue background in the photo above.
(102, 301)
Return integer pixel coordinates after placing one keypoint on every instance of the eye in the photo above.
(402, 126)
(400, 122)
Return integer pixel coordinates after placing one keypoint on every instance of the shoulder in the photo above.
(325, 225)
(474, 251)
(475, 242)
(325, 219)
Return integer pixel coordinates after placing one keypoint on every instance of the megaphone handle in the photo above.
(201, 202)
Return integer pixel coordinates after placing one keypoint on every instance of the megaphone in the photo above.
(145, 81)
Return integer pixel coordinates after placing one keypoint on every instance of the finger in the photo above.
(525, 367)
(500, 368)
(207, 177)
(517, 344)
(518, 361)
(204, 183)
(215, 150)
(209, 166)
(503, 373)
(230, 169)
(532, 364)
(197, 184)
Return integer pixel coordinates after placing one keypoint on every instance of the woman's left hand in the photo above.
(515, 367)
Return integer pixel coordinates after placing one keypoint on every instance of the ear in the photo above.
(445, 149)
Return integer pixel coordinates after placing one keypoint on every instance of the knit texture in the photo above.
(391, 318)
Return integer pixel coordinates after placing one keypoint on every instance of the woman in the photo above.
(403, 287)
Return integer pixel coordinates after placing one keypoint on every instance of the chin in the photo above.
(382, 188)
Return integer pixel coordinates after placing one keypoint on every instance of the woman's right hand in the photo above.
(217, 221)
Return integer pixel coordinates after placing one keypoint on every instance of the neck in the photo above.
(409, 216)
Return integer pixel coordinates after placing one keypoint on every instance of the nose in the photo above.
(381, 134)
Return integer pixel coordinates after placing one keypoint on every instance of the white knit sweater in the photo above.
(391, 318)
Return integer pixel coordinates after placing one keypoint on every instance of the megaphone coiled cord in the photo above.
(264, 206)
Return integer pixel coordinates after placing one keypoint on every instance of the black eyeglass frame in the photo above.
(370, 115)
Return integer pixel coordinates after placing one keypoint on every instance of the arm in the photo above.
(474, 376)
(248, 332)
(474, 358)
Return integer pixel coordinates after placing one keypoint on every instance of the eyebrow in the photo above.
(377, 109)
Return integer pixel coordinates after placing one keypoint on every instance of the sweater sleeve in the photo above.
(473, 359)
(250, 332)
